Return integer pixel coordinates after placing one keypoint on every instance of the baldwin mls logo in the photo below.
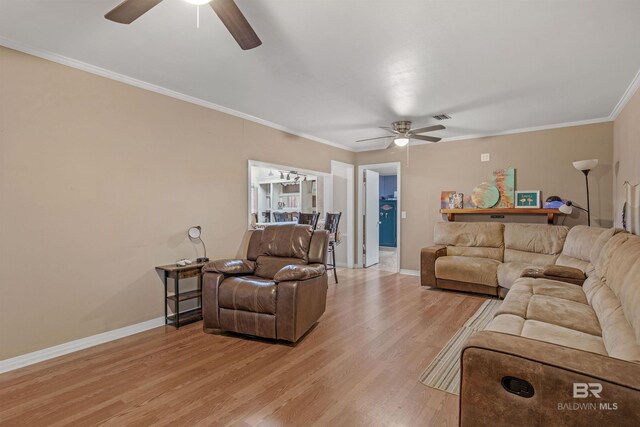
(587, 391)
(584, 390)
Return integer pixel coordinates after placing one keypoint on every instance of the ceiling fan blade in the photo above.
(391, 144)
(130, 10)
(236, 23)
(426, 138)
(371, 139)
(428, 129)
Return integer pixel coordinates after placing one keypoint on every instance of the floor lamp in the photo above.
(585, 166)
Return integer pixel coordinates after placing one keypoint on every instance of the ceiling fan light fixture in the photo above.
(401, 141)
(198, 2)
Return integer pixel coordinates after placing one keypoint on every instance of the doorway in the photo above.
(342, 200)
(379, 202)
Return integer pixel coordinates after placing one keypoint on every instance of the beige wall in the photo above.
(626, 152)
(100, 180)
(542, 160)
(99, 183)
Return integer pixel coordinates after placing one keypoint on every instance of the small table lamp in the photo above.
(585, 166)
(194, 233)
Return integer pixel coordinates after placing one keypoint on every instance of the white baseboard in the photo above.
(342, 265)
(409, 272)
(71, 346)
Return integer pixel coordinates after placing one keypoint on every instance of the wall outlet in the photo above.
(485, 157)
(404, 214)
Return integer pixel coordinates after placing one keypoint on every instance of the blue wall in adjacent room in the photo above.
(388, 184)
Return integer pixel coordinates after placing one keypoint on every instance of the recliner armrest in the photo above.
(292, 273)
(559, 273)
(490, 359)
(230, 267)
(428, 258)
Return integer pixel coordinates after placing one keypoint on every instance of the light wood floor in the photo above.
(359, 366)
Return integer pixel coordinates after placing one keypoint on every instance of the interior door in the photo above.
(371, 218)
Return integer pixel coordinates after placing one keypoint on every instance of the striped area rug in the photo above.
(443, 373)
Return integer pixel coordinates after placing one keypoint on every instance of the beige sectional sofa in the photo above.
(558, 353)
(488, 258)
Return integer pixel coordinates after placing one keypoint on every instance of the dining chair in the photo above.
(331, 221)
(309, 219)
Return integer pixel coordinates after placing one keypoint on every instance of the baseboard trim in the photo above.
(409, 272)
(76, 345)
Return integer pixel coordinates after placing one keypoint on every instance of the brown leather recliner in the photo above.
(279, 291)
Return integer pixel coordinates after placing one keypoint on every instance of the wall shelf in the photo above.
(550, 213)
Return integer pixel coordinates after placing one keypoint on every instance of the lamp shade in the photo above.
(585, 165)
(566, 209)
(401, 141)
(194, 232)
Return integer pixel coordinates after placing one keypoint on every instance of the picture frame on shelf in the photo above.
(528, 199)
(446, 199)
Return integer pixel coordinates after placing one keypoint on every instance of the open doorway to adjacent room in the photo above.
(379, 216)
(342, 200)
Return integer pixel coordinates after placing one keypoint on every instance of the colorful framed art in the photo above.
(527, 199)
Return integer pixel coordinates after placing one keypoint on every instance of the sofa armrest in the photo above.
(490, 358)
(299, 272)
(428, 258)
(559, 273)
(230, 267)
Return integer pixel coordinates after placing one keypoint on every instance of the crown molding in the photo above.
(626, 96)
(631, 90)
(102, 72)
(508, 132)
(77, 345)
(531, 129)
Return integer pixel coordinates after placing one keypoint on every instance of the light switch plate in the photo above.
(404, 214)
(485, 157)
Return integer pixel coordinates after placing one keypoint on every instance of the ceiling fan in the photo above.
(228, 12)
(403, 133)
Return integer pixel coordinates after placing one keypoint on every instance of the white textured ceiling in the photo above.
(338, 69)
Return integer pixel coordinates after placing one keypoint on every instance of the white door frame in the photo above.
(349, 218)
(360, 221)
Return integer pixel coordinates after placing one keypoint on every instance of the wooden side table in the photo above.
(175, 272)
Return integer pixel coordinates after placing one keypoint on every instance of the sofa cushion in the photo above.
(563, 312)
(551, 311)
(552, 288)
(473, 239)
(248, 293)
(582, 239)
(541, 331)
(583, 245)
(483, 271)
(509, 272)
(614, 294)
(547, 299)
(476, 252)
(617, 333)
(536, 244)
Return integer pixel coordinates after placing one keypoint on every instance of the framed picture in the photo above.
(446, 199)
(458, 200)
(527, 199)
